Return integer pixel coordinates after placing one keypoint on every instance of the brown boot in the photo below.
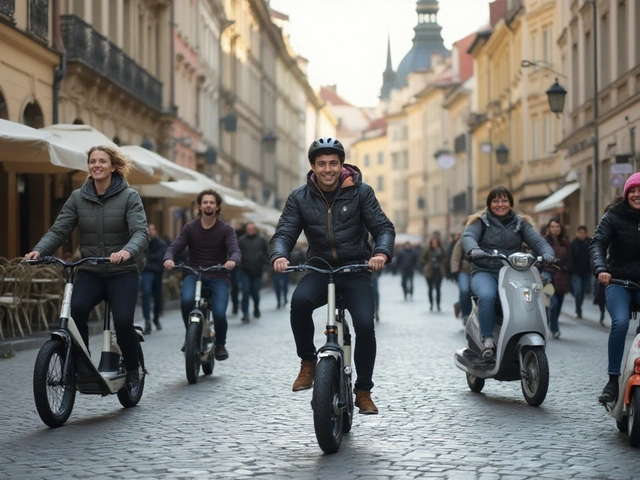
(305, 377)
(364, 403)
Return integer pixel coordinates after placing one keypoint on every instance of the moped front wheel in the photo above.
(534, 375)
(633, 420)
(130, 397)
(192, 352)
(53, 394)
(328, 418)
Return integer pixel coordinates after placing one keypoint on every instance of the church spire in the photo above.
(389, 76)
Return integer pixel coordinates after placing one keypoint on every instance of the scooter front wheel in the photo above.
(328, 418)
(54, 395)
(192, 352)
(475, 384)
(535, 375)
(633, 420)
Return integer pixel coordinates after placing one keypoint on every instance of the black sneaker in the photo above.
(132, 381)
(221, 352)
(256, 313)
(147, 328)
(157, 323)
(609, 392)
(245, 319)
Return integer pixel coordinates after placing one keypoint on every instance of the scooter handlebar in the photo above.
(624, 283)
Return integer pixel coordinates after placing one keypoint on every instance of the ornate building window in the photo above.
(7, 8)
(38, 24)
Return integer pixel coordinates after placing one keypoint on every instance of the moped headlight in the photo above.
(522, 262)
(527, 295)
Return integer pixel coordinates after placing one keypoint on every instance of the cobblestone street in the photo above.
(244, 420)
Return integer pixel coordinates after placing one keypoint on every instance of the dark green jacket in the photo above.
(115, 222)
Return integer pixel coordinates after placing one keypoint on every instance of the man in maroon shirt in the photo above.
(211, 241)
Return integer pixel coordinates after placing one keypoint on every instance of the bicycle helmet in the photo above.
(326, 145)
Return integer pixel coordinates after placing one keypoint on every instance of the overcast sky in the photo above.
(345, 41)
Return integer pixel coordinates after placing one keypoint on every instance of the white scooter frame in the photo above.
(520, 330)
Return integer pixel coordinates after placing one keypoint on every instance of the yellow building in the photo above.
(370, 154)
(514, 132)
(28, 66)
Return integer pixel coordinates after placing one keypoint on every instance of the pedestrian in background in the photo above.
(281, 287)
(579, 267)
(151, 279)
(461, 273)
(435, 262)
(255, 255)
(557, 238)
(406, 260)
(234, 277)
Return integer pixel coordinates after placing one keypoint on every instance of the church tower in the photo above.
(388, 76)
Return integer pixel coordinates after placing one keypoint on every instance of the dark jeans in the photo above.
(407, 283)
(235, 288)
(580, 285)
(121, 291)
(250, 287)
(485, 286)
(434, 283)
(281, 286)
(151, 286)
(219, 300)
(357, 292)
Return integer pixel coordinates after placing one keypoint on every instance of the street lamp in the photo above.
(502, 154)
(556, 96)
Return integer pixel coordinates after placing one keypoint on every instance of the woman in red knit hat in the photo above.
(618, 231)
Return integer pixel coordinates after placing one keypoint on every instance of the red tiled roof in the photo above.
(377, 124)
(328, 94)
(465, 66)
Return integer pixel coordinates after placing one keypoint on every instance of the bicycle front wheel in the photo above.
(54, 395)
(192, 352)
(327, 415)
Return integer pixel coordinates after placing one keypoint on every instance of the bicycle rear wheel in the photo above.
(328, 417)
(192, 352)
(54, 397)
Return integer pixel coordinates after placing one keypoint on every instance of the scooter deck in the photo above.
(471, 359)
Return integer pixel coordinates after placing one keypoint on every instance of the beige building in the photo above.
(371, 156)
(599, 130)
(29, 75)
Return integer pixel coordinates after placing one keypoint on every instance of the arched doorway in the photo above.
(4, 111)
(32, 115)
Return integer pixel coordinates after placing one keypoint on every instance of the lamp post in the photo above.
(502, 154)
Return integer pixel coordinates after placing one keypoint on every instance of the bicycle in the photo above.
(200, 338)
(64, 365)
(332, 399)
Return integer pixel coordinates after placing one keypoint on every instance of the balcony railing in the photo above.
(39, 18)
(86, 45)
(8, 8)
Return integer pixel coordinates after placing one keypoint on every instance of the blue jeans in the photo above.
(464, 286)
(234, 277)
(219, 300)
(580, 285)
(250, 287)
(407, 282)
(151, 283)
(281, 286)
(555, 307)
(485, 286)
(618, 301)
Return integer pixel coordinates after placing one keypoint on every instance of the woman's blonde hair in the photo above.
(118, 159)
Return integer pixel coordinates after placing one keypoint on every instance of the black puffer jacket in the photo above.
(337, 233)
(619, 231)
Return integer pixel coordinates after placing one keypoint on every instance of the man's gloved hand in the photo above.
(476, 254)
(549, 259)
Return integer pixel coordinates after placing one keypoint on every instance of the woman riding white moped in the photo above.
(619, 232)
(499, 228)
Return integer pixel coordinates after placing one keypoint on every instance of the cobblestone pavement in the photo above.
(243, 421)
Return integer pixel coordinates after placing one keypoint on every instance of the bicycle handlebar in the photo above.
(52, 259)
(624, 283)
(303, 267)
(198, 270)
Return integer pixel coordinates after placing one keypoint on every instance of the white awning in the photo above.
(263, 214)
(555, 200)
(160, 165)
(29, 150)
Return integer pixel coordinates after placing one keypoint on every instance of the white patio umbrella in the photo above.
(85, 136)
(168, 169)
(28, 150)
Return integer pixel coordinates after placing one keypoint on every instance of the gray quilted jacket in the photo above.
(487, 232)
(116, 221)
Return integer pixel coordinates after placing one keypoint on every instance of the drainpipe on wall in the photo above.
(61, 70)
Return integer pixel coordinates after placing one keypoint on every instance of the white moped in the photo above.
(626, 408)
(520, 331)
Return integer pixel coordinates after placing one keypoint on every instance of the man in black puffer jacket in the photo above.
(336, 211)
